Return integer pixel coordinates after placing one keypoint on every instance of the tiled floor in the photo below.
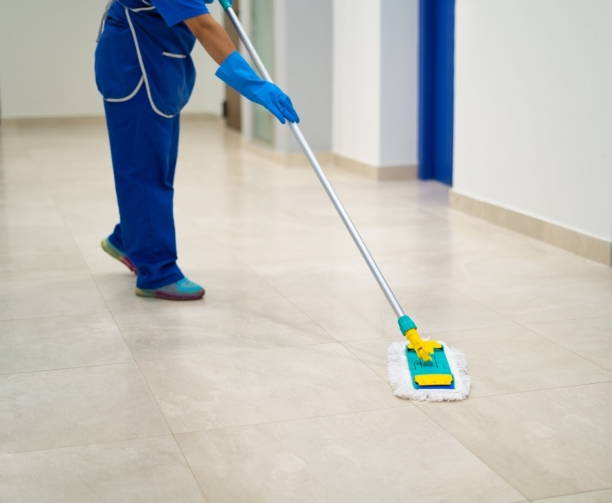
(273, 388)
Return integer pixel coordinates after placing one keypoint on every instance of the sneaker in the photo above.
(183, 289)
(117, 254)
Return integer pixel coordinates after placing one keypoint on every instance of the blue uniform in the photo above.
(145, 74)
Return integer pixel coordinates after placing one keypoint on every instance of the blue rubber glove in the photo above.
(237, 73)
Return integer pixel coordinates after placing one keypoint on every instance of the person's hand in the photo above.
(269, 95)
(237, 73)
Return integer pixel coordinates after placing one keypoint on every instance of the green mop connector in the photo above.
(405, 323)
(226, 4)
(423, 349)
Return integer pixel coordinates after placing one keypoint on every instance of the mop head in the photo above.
(442, 378)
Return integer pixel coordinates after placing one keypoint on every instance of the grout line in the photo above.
(534, 332)
(155, 400)
(553, 341)
(316, 323)
(153, 397)
(91, 444)
(151, 394)
(53, 316)
(60, 369)
(424, 412)
(538, 390)
(145, 381)
(195, 478)
(405, 406)
(348, 348)
(134, 361)
(589, 491)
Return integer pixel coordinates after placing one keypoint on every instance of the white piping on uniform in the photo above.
(103, 20)
(174, 55)
(129, 96)
(142, 67)
(140, 9)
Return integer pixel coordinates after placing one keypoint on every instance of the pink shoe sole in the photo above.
(129, 264)
(156, 294)
(117, 255)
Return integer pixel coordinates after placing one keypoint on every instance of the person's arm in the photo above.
(212, 36)
(236, 72)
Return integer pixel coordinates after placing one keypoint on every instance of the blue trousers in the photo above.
(144, 149)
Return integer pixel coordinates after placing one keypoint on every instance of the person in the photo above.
(145, 74)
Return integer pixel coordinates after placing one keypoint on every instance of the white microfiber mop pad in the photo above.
(401, 380)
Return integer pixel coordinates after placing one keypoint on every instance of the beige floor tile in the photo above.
(510, 259)
(116, 288)
(60, 342)
(347, 302)
(54, 293)
(217, 328)
(149, 470)
(257, 386)
(433, 310)
(591, 338)
(39, 249)
(283, 281)
(239, 312)
(373, 353)
(544, 443)
(235, 299)
(28, 213)
(283, 237)
(546, 299)
(60, 408)
(392, 456)
(101, 215)
(590, 497)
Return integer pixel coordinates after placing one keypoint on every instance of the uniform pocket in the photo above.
(118, 74)
(171, 77)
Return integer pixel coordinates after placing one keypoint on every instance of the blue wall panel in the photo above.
(436, 82)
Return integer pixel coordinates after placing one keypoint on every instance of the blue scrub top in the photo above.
(144, 43)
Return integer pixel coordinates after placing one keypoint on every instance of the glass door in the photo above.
(262, 33)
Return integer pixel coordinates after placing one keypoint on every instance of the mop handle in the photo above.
(382, 282)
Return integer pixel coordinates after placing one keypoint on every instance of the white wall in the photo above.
(375, 81)
(46, 61)
(356, 87)
(533, 109)
(399, 82)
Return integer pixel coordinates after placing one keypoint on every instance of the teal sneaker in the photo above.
(117, 254)
(183, 289)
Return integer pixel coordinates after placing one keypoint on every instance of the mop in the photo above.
(421, 369)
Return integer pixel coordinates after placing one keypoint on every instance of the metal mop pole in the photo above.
(382, 282)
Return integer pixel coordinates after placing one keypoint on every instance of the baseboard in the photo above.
(403, 172)
(197, 116)
(330, 159)
(43, 121)
(573, 241)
